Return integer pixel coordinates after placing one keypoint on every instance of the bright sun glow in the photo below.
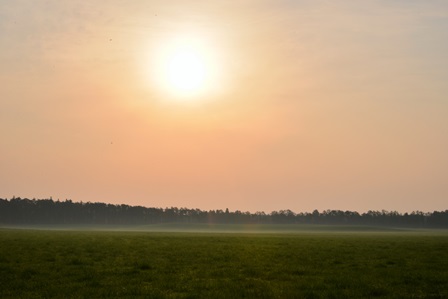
(186, 71)
(185, 68)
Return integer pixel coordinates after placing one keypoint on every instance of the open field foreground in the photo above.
(305, 264)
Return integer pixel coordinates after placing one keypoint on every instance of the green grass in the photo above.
(306, 264)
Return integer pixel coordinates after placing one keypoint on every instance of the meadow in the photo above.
(223, 262)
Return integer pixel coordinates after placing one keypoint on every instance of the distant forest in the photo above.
(24, 211)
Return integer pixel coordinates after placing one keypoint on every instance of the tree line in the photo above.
(24, 211)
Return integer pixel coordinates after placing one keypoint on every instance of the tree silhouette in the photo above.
(18, 211)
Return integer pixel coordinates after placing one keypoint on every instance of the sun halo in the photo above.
(186, 69)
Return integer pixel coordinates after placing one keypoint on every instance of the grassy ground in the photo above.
(306, 264)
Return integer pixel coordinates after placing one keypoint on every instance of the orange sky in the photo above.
(317, 105)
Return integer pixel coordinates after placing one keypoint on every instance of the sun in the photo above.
(185, 68)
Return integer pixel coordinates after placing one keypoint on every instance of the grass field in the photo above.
(318, 263)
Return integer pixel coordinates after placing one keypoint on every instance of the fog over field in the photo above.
(47, 213)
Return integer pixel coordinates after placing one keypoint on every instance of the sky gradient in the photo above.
(318, 104)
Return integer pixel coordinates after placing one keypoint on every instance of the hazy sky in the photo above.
(314, 104)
